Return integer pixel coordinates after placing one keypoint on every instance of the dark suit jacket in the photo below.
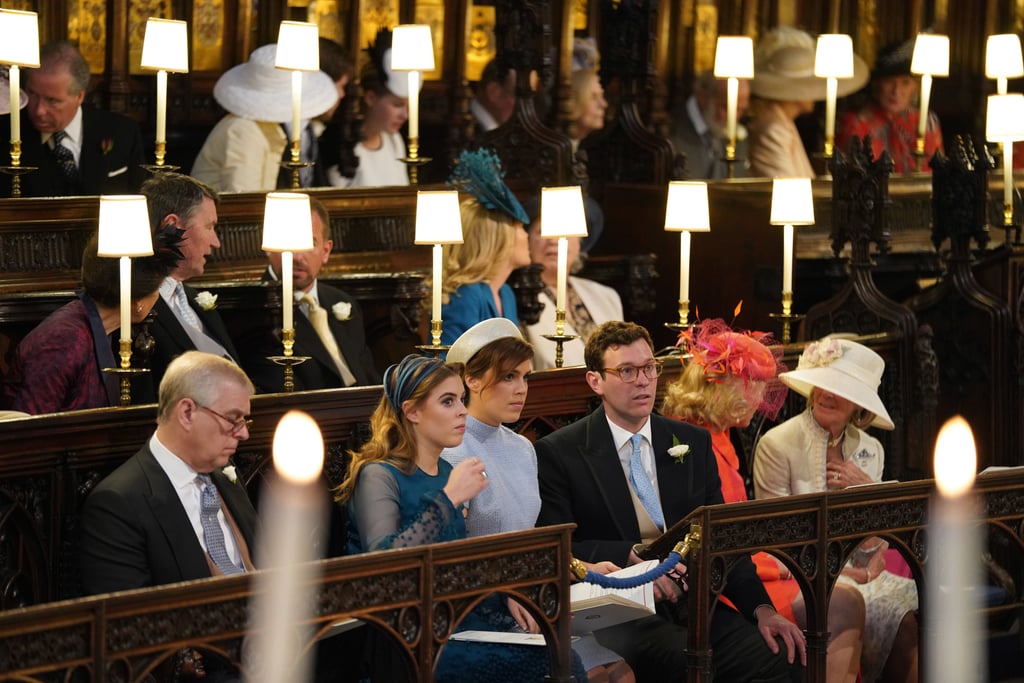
(581, 481)
(700, 164)
(110, 163)
(172, 340)
(319, 372)
(135, 533)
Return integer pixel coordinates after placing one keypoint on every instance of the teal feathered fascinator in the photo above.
(479, 173)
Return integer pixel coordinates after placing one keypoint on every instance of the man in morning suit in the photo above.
(185, 321)
(153, 520)
(699, 128)
(76, 149)
(611, 474)
(329, 328)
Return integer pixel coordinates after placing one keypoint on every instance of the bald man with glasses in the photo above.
(612, 475)
(169, 513)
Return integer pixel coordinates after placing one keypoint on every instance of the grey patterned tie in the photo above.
(64, 156)
(187, 314)
(213, 535)
(642, 483)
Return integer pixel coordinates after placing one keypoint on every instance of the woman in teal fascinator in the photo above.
(494, 244)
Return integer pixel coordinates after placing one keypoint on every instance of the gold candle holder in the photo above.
(16, 170)
(125, 373)
(435, 348)
(414, 160)
(787, 317)
(559, 337)
(288, 361)
(296, 165)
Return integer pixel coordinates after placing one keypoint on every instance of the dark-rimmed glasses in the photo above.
(236, 425)
(630, 373)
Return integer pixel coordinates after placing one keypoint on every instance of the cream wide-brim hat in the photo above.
(787, 75)
(845, 368)
(479, 336)
(260, 91)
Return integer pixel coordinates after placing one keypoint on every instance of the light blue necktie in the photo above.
(209, 506)
(187, 314)
(642, 483)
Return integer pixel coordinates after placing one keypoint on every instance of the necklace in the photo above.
(832, 443)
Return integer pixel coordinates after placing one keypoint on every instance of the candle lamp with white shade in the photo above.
(19, 46)
(412, 51)
(931, 58)
(953, 621)
(734, 59)
(562, 217)
(438, 222)
(298, 51)
(287, 228)
(686, 211)
(292, 514)
(124, 232)
(833, 60)
(1004, 123)
(792, 205)
(165, 49)
(1003, 59)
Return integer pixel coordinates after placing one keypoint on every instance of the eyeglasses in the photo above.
(236, 424)
(630, 373)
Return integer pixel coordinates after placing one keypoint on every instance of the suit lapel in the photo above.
(600, 456)
(185, 550)
(213, 322)
(166, 320)
(92, 170)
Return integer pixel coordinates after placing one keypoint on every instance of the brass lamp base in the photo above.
(16, 172)
(295, 167)
(160, 168)
(560, 340)
(289, 363)
(125, 380)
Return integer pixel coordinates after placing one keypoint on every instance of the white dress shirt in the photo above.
(621, 437)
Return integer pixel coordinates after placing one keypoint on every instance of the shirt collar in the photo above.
(73, 130)
(620, 436)
(176, 469)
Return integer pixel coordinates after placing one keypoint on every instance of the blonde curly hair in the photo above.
(488, 238)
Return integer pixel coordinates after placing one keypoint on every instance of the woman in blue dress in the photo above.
(400, 493)
(494, 243)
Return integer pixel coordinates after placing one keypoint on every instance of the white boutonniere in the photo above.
(206, 301)
(230, 473)
(342, 310)
(679, 450)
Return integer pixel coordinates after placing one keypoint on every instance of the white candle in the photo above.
(831, 91)
(787, 258)
(288, 299)
(684, 266)
(1008, 174)
(296, 105)
(1001, 85)
(292, 512)
(926, 93)
(414, 104)
(435, 308)
(15, 80)
(733, 91)
(563, 272)
(953, 621)
(161, 106)
(126, 298)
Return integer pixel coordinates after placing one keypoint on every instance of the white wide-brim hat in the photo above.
(845, 368)
(787, 74)
(479, 336)
(260, 91)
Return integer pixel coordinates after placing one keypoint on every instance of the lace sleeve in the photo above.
(377, 502)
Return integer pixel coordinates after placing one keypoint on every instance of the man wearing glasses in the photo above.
(169, 513)
(612, 475)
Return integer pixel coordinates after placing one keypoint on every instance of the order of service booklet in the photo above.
(594, 607)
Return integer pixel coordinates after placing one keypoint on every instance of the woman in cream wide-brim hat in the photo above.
(823, 448)
(785, 87)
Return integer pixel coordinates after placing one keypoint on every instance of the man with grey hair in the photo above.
(170, 513)
(186, 320)
(699, 128)
(76, 148)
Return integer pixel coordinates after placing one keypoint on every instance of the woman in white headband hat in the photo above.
(825, 448)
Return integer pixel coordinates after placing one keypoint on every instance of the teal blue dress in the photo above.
(474, 303)
(390, 509)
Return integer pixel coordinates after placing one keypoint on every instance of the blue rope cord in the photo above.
(665, 567)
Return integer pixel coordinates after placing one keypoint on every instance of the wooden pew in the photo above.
(416, 596)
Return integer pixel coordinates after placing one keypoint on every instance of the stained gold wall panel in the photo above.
(87, 22)
(431, 13)
(373, 15)
(207, 36)
(481, 45)
(138, 13)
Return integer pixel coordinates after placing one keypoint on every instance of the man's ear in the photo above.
(172, 219)
(594, 381)
(185, 413)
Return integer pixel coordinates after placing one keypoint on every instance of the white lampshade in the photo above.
(19, 37)
(792, 202)
(124, 226)
(834, 56)
(561, 212)
(687, 207)
(298, 46)
(412, 48)
(1003, 56)
(438, 219)
(734, 57)
(1004, 120)
(931, 55)
(165, 46)
(287, 223)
